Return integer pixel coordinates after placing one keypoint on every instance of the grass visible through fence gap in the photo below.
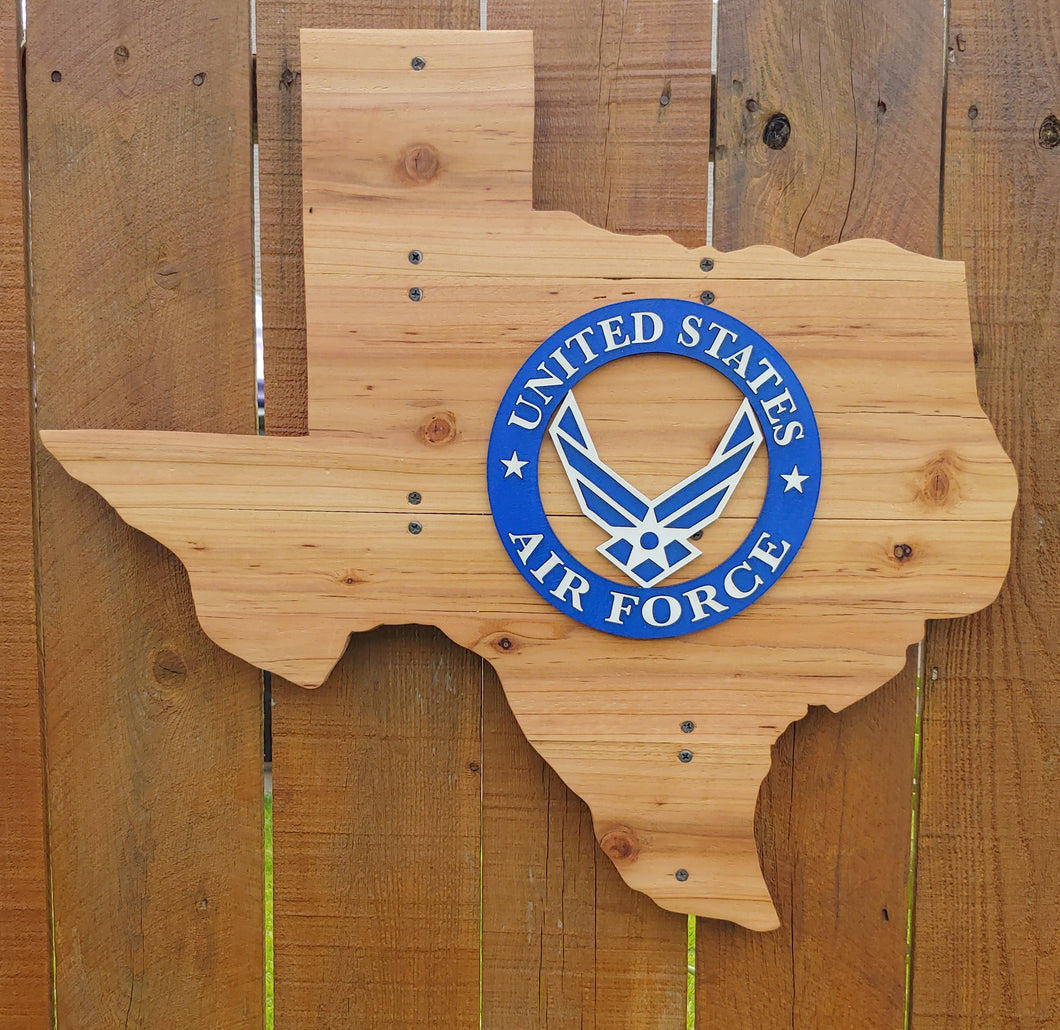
(269, 965)
(914, 834)
(690, 979)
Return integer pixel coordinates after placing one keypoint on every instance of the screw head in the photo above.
(415, 256)
(418, 64)
(687, 726)
(415, 293)
(707, 297)
(685, 756)
(707, 264)
(415, 497)
(415, 528)
(681, 875)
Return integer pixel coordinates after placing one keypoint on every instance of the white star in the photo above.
(793, 479)
(513, 466)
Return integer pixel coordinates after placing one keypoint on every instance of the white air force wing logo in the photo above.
(651, 539)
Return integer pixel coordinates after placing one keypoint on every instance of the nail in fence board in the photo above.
(988, 904)
(139, 158)
(336, 548)
(861, 159)
(25, 960)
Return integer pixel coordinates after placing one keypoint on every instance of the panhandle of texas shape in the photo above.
(669, 525)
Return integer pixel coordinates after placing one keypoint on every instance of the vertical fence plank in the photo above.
(860, 87)
(376, 775)
(25, 958)
(539, 870)
(138, 123)
(376, 838)
(622, 138)
(622, 118)
(988, 904)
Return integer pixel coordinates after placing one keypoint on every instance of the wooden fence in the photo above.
(430, 871)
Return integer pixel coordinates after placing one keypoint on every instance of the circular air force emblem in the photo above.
(654, 586)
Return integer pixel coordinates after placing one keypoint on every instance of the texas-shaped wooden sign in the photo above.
(673, 496)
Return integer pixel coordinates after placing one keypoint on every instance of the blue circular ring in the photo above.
(786, 515)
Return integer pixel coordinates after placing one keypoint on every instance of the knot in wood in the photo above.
(620, 845)
(121, 54)
(168, 668)
(902, 552)
(439, 429)
(167, 276)
(505, 644)
(420, 163)
(939, 484)
(1049, 133)
(777, 132)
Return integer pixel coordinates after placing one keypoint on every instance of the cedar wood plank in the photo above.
(582, 981)
(608, 150)
(376, 792)
(988, 903)
(622, 115)
(376, 775)
(861, 88)
(25, 959)
(139, 157)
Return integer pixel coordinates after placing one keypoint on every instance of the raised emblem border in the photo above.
(627, 609)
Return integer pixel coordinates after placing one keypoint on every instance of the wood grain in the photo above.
(622, 111)
(139, 133)
(988, 907)
(860, 88)
(565, 942)
(377, 837)
(25, 960)
(286, 593)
